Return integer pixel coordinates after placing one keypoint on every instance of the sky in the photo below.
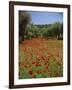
(40, 17)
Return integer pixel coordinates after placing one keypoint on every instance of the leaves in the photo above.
(39, 76)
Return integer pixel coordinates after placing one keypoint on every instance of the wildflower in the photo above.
(30, 72)
(33, 62)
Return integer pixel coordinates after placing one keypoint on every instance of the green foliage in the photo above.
(39, 76)
(23, 73)
(55, 68)
(52, 30)
(27, 30)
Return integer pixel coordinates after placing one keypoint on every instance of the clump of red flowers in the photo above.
(37, 56)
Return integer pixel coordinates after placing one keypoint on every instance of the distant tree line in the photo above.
(27, 30)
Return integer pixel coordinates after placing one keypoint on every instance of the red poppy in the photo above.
(33, 62)
(47, 68)
(36, 64)
(30, 72)
(39, 64)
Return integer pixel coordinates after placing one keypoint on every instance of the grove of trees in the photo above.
(28, 30)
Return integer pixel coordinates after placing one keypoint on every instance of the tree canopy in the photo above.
(28, 30)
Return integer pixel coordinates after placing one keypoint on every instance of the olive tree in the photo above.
(24, 20)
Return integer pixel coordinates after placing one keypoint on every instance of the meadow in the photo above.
(40, 58)
(40, 44)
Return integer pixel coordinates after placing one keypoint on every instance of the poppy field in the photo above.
(40, 58)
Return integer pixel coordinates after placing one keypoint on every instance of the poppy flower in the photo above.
(33, 62)
(30, 72)
(47, 68)
(37, 65)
